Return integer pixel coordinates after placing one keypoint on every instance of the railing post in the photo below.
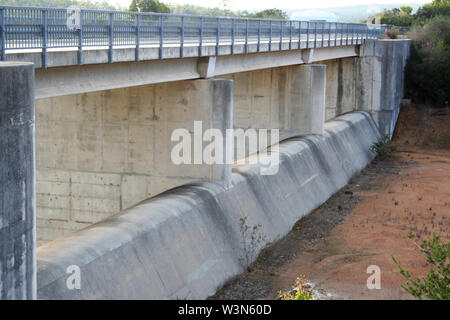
(335, 33)
(270, 36)
(232, 36)
(299, 34)
(200, 41)
(217, 36)
(329, 33)
(315, 34)
(352, 34)
(80, 40)
(259, 36)
(342, 32)
(44, 38)
(307, 34)
(161, 35)
(2, 34)
(281, 36)
(290, 34)
(246, 36)
(346, 35)
(182, 38)
(323, 34)
(357, 34)
(138, 37)
(111, 37)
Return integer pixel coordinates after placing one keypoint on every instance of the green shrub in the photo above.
(383, 148)
(301, 290)
(436, 284)
(392, 33)
(428, 69)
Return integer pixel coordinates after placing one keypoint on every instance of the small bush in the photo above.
(383, 148)
(427, 76)
(392, 33)
(436, 284)
(301, 290)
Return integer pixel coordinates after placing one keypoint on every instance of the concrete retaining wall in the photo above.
(184, 243)
(17, 201)
(102, 152)
(381, 70)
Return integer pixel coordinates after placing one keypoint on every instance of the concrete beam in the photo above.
(67, 80)
(17, 201)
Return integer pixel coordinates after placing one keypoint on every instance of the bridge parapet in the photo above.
(86, 34)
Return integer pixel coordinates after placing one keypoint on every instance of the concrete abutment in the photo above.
(102, 152)
(17, 182)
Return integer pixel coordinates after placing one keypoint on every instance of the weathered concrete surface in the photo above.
(379, 80)
(290, 99)
(68, 79)
(373, 82)
(66, 57)
(102, 152)
(341, 86)
(17, 201)
(185, 242)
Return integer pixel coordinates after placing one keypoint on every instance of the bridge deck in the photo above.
(26, 30)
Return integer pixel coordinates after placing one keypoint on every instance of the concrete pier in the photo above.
(17, 182)
(102, 152)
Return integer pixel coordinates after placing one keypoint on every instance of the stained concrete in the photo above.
(102, 152)
(17, 201)
(381, 69)
(185, 243)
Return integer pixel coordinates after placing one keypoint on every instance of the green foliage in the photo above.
(428, 68)
(383, 148)
(202, 11)
(393, 33)
(197, 10)
(434, 9)
(149, 6)
(436, 284)
(301, 290)
(268, 14)
(398, 17)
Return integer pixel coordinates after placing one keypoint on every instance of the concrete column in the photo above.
(309, 80)
(17, 201)
(222, 119)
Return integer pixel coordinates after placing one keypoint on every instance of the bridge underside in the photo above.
(103, 134)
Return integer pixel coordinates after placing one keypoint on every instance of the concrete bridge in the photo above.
(104, 117)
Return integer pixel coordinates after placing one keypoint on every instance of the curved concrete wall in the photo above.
(184, 243)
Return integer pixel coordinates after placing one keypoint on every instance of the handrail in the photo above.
(44, 28)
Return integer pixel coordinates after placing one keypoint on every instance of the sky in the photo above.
(281, 4)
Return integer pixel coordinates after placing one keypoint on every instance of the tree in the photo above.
(149, 6)
(134, 6)
(434, 9)
(406, 9)
(269, 14)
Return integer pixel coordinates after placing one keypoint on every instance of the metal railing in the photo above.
(45, 28)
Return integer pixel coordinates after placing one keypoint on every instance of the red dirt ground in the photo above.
(366, 222)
